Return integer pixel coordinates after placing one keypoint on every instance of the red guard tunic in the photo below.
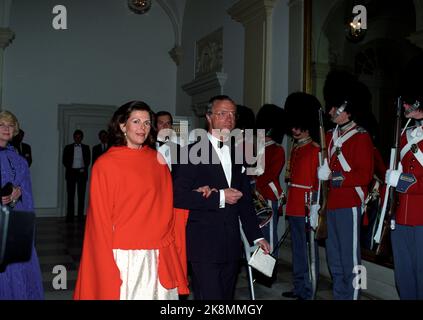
(409, 210)
(304, 161)
(274, 162)
(358, 153)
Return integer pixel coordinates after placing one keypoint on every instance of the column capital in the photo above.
(416, 38)
(245, 11)
(176, 54)
(6, 37)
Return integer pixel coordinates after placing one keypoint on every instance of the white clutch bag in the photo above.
(262, 262)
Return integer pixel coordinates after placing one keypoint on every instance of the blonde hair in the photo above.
(8, 116)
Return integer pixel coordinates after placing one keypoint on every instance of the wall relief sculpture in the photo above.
(209, 53)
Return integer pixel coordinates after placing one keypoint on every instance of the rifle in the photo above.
(382, 233)
(322, 231)
(311, 245)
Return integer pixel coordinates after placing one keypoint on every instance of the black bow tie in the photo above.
(161, 142)
(220, 144)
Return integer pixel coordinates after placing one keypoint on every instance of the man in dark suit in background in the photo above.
(102, 147)
(76, 159)
(168, 147)
(22, 148)
(217, 194)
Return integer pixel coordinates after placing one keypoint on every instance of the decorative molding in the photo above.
(176, 54)
(6, 37)
(202, 88)
(245, 11)
(215, 80)
(174, 19)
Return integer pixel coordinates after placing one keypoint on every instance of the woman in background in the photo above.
(22, 280)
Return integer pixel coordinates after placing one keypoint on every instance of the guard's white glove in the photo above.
(323, 172)
(392, 177)
(314, 215)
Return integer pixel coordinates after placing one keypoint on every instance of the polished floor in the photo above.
(59, 243)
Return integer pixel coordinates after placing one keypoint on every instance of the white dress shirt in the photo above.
(78, 160)
(224, 155)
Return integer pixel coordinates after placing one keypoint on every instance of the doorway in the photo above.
(90, 119)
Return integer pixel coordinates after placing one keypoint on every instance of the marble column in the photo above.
(256, 17)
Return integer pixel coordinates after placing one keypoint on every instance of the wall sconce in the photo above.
(139, 6)
(357, 25)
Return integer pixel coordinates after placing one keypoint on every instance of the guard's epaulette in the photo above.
(330, 130)
(315, 144)
(361, 129)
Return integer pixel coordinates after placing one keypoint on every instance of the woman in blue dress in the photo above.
(18, 281)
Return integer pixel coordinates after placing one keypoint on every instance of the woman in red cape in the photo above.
(129, 249)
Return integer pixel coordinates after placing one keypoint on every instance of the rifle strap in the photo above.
(338, 142)
(344, 164)
(413, 138)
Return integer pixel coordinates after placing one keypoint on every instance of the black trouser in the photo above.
(75, 179)
(214, 281)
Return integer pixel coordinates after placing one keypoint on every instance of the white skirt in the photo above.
(139, 275)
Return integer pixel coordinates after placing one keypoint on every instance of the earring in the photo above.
(124, 134)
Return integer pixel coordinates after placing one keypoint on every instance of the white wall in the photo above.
(202, 17)
(107, 56)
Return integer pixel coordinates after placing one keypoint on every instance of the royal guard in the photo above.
(271, 119)
(349, 171)
(407, 236)
(302, 110)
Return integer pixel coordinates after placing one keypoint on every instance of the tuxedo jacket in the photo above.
(212, 233)
(175, 152)
(67, 159)
(97, 151)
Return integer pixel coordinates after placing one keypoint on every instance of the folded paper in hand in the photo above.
(262, 262)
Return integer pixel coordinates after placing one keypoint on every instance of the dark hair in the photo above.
(271, 118)
(302, 112)
(245, 118)
(78, 132)
(217, 98)
(101, 132)
(121, 115)
(163, 113)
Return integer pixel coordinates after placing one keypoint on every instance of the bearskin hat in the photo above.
(302, 111)
(272, 119)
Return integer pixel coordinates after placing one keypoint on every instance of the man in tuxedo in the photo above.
(102, 147)
(76, 159)
(217, 194)
(22, 148)
(167, 146)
